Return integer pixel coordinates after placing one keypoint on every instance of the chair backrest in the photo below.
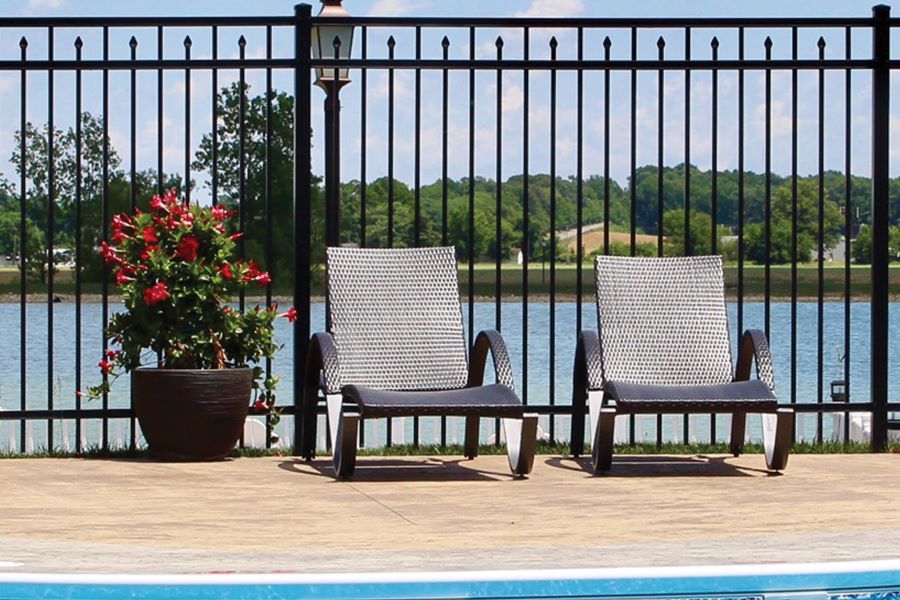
(396, 319)
(663, 321)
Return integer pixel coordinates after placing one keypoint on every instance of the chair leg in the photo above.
(579, 399)
(576, 433)
(308, 422)
(334, 404)
(595, 403)
(521, 439)
(470, 450)
(738, 432)
(345, 445)
(602, 449)
(777, 430)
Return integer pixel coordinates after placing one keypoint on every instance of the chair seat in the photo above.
(485, 401)
(738, 396)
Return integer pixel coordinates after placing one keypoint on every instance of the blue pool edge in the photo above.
(824, 579)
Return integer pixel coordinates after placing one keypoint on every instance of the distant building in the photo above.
(836, 253)
(517, 254)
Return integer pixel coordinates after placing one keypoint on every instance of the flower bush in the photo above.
(176, 270)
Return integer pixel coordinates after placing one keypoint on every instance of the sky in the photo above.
(486, 90)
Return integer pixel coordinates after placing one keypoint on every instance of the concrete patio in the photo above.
(440, 513)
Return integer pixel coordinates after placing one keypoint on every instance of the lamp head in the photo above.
(332, 40)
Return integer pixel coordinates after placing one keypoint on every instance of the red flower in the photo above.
(263, 279)
(252, 272)
(156, 293)
(226, 272)
(236, 236)
(111, 354)
(260, 405)
(166, 222)
(169, 202)
(220, 213)
(150, 235)
(119, 224)
(122, 277)
(290, 315)
(109, 254)
(121, 221)
(187, 248)
(187, 219)
(105, 367)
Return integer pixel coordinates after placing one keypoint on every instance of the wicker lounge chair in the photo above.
(397, 348)
(663, 347)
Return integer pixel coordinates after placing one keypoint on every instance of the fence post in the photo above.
(881, 45)
(302, 207)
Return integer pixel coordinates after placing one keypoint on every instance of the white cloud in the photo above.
(403, 85)
(553, 8)
(41, 6)
(395, 8)
(513, 97)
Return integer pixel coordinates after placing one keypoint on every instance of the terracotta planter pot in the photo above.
(191, 414)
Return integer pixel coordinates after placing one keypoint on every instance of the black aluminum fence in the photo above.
(578, 83)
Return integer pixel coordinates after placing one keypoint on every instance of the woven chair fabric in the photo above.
(502, 363)
(593, 359)
(764, 369)
(495, 400)
(396, 319)
(663, 321)
(330, 380)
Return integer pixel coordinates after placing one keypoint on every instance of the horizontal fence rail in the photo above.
(526, 143)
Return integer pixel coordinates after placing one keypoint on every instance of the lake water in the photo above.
(63, 376)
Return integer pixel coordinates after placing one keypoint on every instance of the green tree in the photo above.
(782, 224)
(258, 147)
(36, 263)
(701, 233)
(36, 165)
(117, 186)
(862, 246)
(754, 240)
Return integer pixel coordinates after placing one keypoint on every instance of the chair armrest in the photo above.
(587, 376)
(321, 372)
(323, 358)
(493, 341)
(589, 354)
(755, 348)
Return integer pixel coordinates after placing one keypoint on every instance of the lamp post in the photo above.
(332, 40)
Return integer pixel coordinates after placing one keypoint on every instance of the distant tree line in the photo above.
(646, 201)
(276, 193)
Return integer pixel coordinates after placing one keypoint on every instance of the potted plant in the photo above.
(193, 358)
